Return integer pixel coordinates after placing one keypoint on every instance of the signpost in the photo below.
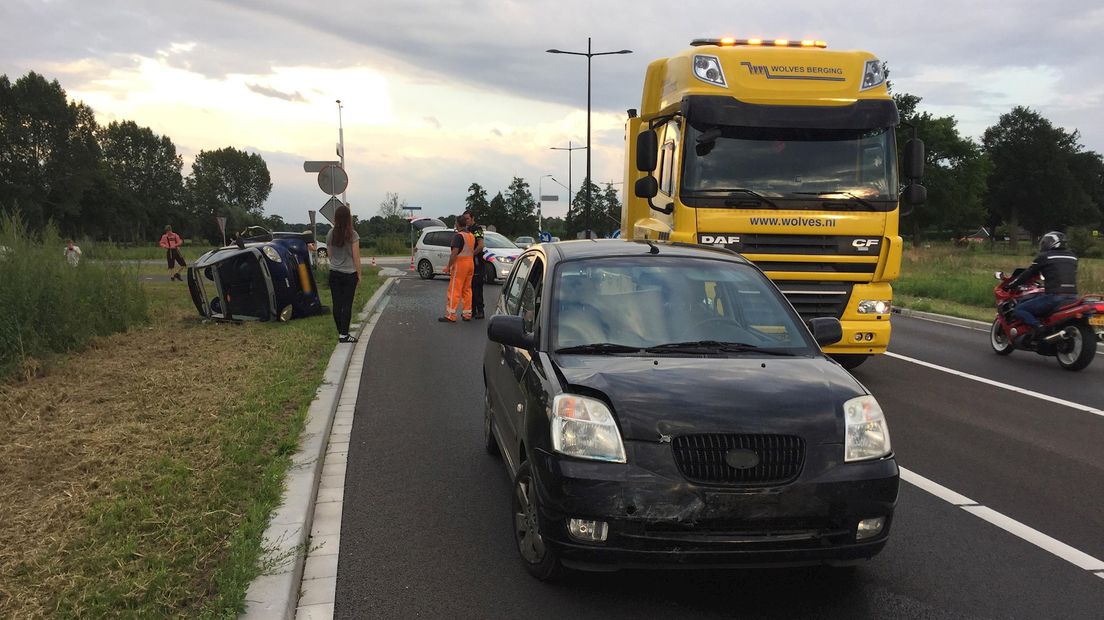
(545, 236)
(332, 180)
(222, 228)
(330, 207)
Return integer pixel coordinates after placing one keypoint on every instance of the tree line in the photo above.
(119, 182)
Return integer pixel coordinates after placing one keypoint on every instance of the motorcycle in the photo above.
(1072, 330)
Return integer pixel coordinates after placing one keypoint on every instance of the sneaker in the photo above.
(445, 319)
(478, 315)
(346, 338)
(467, 318)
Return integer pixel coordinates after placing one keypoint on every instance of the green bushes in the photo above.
(389, 245)
(49, 306)
(1083, 243)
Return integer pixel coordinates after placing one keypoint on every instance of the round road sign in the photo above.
(333, 180)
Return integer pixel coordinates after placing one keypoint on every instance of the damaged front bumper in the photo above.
(658, 519)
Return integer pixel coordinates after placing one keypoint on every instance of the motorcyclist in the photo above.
(1058, 266)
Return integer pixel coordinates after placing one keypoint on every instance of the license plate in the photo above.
(1097, 320)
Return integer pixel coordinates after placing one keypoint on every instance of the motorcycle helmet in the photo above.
(1053, 240)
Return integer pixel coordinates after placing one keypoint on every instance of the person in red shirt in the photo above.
(172, 242)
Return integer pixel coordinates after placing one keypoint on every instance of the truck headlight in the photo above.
(584, 428)
(875, 306)
(866, 435)
(873, 74)
(708, 69)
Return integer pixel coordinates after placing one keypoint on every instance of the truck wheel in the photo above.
(850, 361)
(1076, 352)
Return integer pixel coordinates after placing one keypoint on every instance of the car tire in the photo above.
(850, 361)
(539, 559)
(425, 269)
(489, 273)
(1077, 352)
(999, 340)
(490, 444)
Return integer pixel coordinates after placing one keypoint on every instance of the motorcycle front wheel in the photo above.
(999, 340)
(1078, 350)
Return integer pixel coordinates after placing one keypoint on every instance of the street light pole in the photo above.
(341, 143)
(540, 202)
(589, 54)
(569, 148)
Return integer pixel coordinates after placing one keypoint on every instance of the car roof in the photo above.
(597, 248)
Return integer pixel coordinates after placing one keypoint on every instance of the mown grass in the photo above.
(140, 473)
(960, 280)
(49, 306)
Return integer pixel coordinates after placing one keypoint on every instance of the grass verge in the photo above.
(139, 474)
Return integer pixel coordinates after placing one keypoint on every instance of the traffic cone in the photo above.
(373, 261)
(411, 263)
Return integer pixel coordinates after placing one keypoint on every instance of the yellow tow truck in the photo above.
(785, 152)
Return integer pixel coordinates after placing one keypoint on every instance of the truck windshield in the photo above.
(789, 166)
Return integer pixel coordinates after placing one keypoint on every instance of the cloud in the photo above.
(294, 97)
(432, 121)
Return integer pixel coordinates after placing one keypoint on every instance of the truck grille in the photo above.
(702, 458)
(817, 299)
(804, 244)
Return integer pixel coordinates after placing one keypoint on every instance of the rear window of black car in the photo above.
(653, 300)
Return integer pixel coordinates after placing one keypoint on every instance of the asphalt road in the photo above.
(426, 523)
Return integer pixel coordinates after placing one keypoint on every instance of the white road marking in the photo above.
(1099, 345)
(1053, 546)
(1006, 386)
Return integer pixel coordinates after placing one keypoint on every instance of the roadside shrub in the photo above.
(1083, 243)
(389, 245)
(50, 307)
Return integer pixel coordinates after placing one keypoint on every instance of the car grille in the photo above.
(701, 458)
(817, 299)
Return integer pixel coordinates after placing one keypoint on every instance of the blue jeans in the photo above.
(1040, 306)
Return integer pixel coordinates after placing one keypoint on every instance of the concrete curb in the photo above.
(275, 593)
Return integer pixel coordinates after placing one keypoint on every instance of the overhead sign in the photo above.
(330, 208)
(333, 180)
(317, 166)
(550, 198)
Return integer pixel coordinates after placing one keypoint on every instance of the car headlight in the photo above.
(875, 306)
(285, 314)
(873, 74)
(505, 259)
(866, 435)
(272, 254)
(584, 428)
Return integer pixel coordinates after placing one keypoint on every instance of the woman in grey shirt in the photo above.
(343, 243)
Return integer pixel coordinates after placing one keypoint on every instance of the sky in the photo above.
(439, 94)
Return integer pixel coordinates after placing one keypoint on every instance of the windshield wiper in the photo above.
(847, 196)
(735, 190)
(714, 345)
(601, 348)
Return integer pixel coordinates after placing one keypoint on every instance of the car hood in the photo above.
(497, 252)
(668, 396)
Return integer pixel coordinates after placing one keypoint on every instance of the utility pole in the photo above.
(341, 145)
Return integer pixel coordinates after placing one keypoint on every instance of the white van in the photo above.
(432, 251)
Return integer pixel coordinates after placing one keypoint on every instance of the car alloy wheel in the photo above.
(425, 269)
(540, 560)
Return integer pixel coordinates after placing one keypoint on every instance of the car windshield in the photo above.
(497, 241)
(655, 304)
(524, 240)
(855, 167)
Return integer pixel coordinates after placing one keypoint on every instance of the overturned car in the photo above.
(260, 280)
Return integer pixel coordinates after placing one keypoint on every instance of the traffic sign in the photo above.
(545, 236)
(317, 166)
(333, 180)
(330, 208)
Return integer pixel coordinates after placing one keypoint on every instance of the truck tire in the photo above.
(850, 361)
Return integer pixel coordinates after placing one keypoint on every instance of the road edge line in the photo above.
(946, 319)
(276, 593)
(1024, 532)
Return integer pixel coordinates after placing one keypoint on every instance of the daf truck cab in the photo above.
(785, 152)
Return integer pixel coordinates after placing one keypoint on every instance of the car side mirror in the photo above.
(647, 187)
(913, 159)
(826, 330)
(510, 331)
(647, 148)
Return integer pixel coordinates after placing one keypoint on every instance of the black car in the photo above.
(663, 405)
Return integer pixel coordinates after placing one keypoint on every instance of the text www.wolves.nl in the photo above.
(793, 221)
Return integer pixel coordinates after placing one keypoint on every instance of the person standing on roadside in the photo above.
(172, 242)
(460, 269)
(477, 275)
(343, 243)
(72, 253)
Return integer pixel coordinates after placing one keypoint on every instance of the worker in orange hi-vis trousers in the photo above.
(460, 268)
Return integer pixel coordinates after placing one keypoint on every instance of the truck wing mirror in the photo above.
(647, 148)
(647, 187)
(915, 194)
(913, 160)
